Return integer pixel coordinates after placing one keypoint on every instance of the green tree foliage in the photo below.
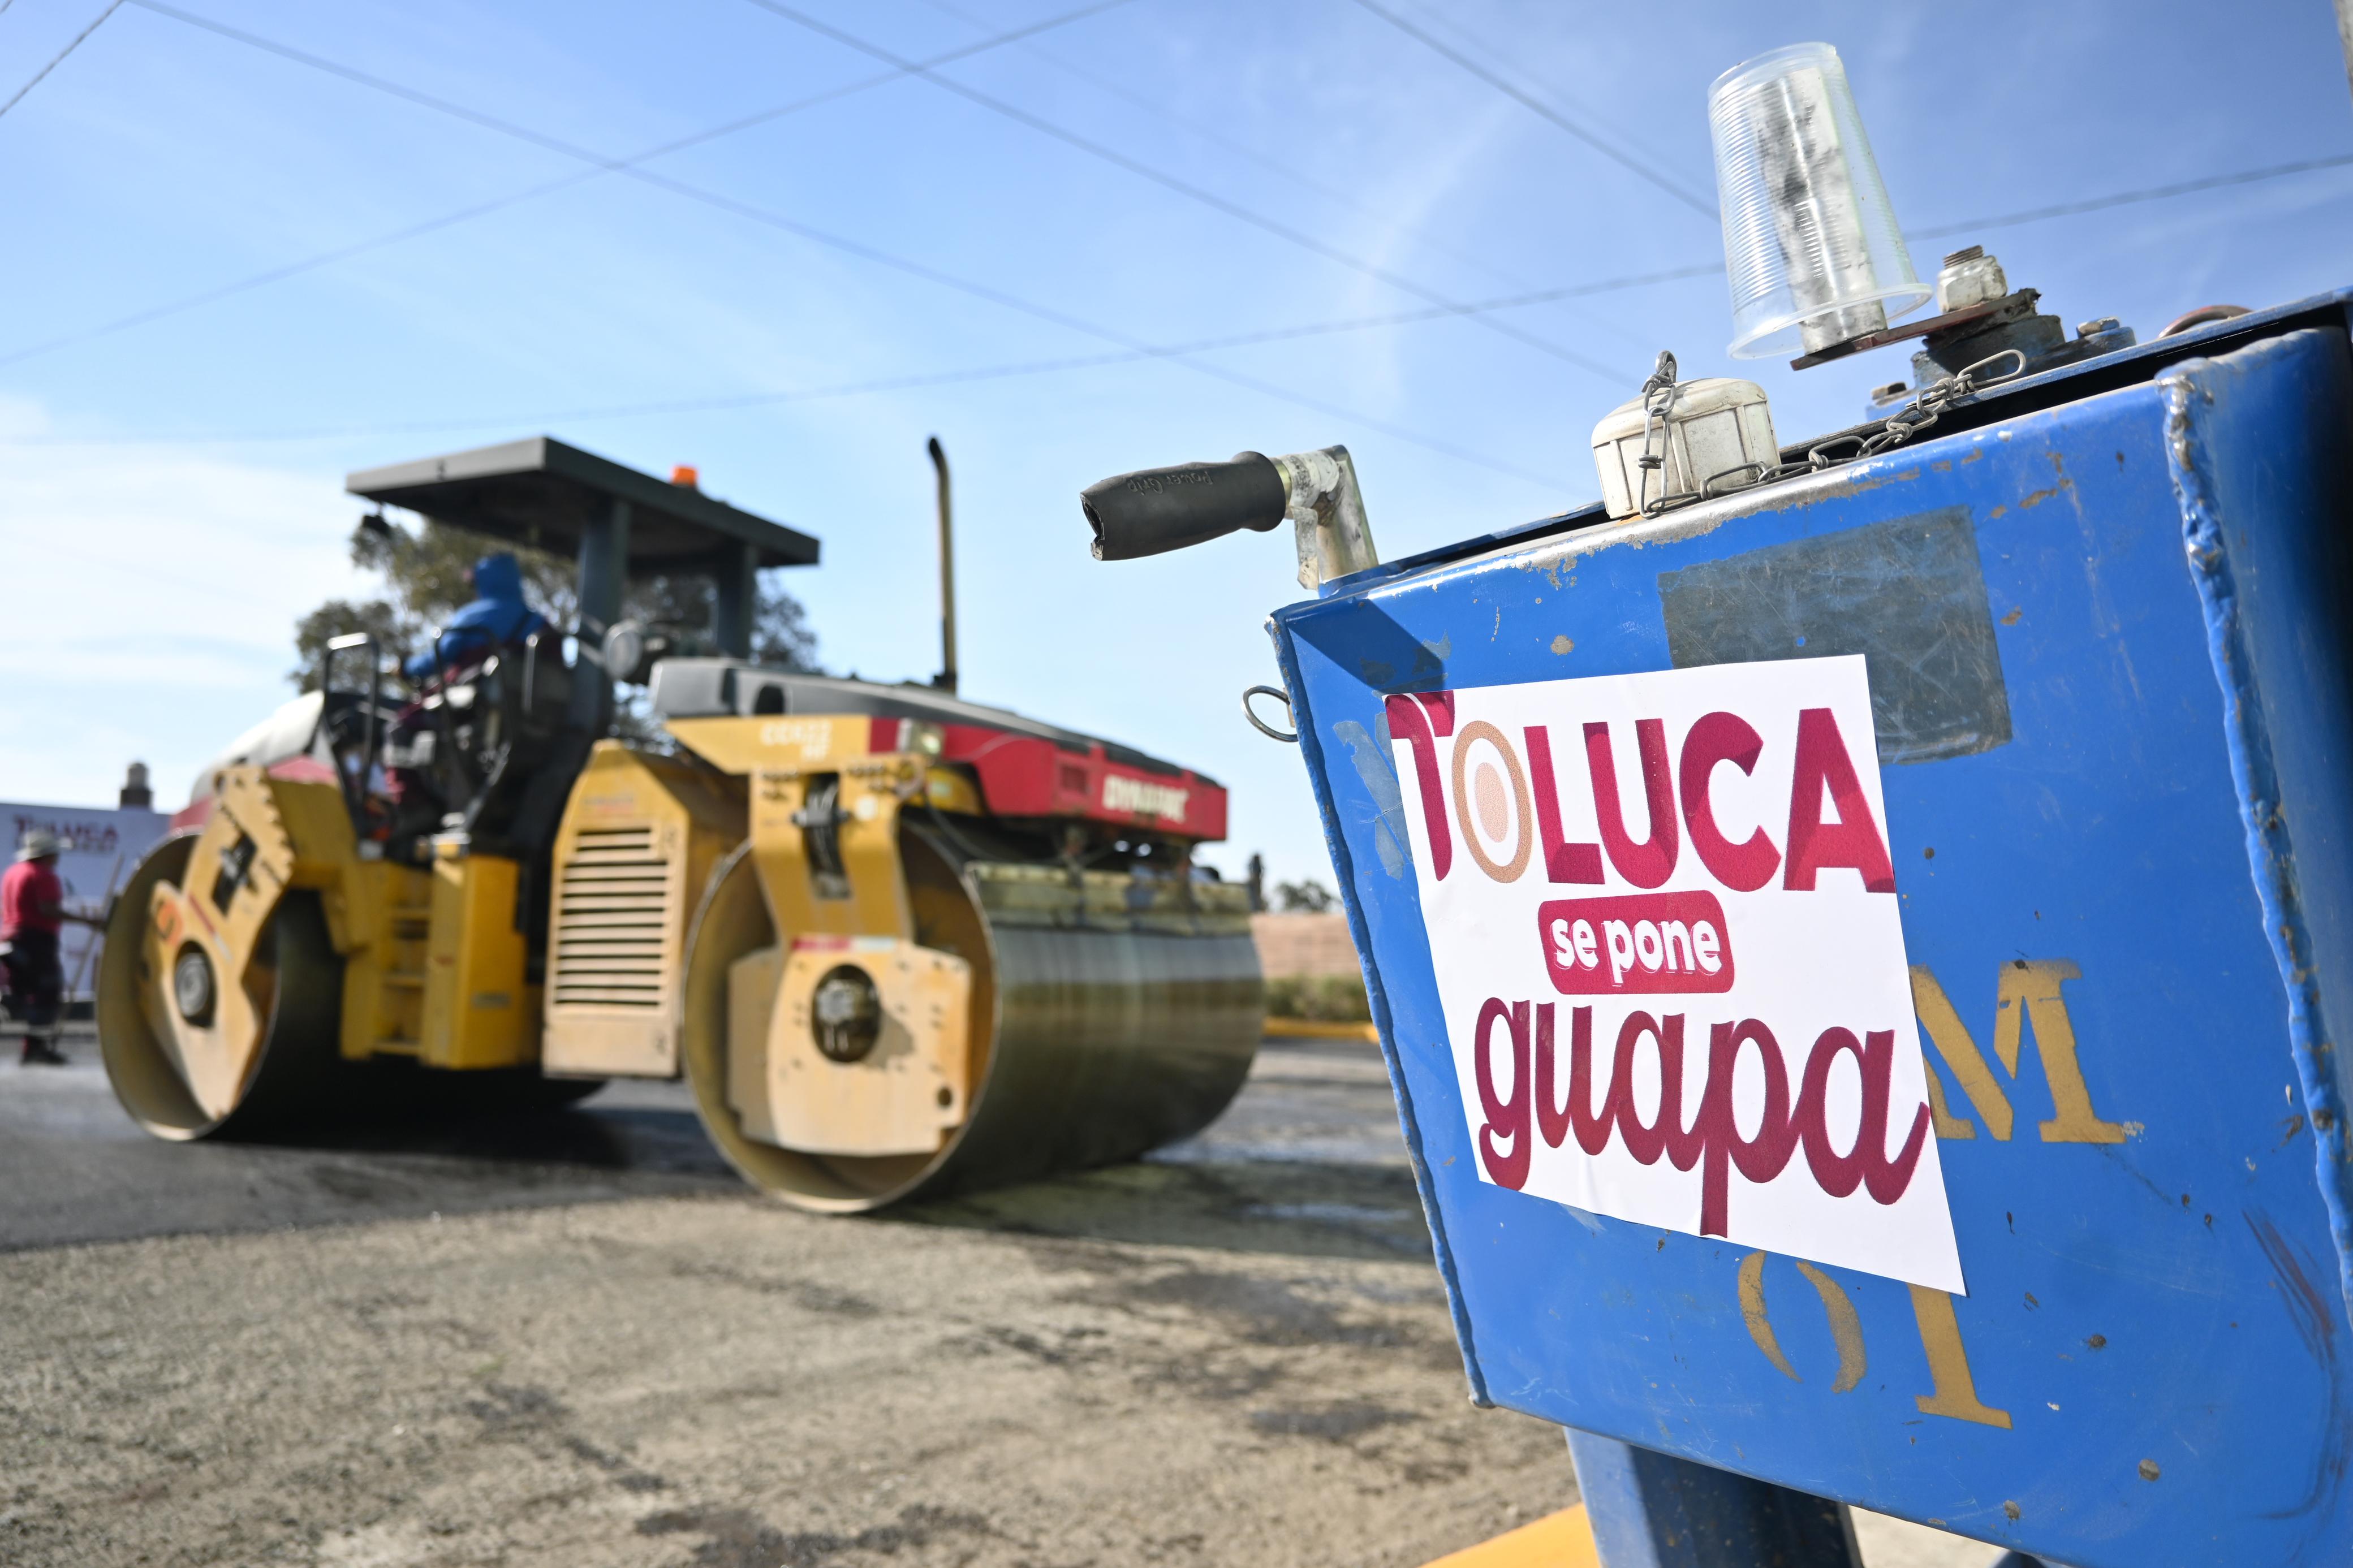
(1319, 998)
(422, 572)
(1309, 898)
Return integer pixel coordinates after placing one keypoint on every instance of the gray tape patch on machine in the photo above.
(1909, 595)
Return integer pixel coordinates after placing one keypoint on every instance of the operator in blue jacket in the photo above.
(496, 617)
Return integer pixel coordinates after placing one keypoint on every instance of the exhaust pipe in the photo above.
(1154, 511)
(947, 678)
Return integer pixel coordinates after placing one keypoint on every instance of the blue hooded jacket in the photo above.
(496, 617)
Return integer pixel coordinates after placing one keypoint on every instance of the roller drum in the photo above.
(1098, 1045)
(299, 1080)
(297, 1074)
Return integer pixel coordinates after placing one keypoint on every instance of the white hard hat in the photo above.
(38, 844)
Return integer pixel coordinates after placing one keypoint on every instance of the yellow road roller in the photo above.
(897, 943)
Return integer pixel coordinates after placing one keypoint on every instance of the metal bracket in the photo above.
(1327, 514)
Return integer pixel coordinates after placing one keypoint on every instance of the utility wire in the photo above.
(424, 100)
(290, 270)
(1131, 351)
(817, 394)
(729, 400)
(1305, 241)
(482, 209)
(1538, 297)
(1528, 100)
(1293, 177)
(111, 7)
(807, 395)
(854, 248)
(2125, 198)
(1036, 367)
(1111, 86)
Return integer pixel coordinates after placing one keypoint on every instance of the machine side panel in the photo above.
(2257, 443)
(1375, 786)
(2137, 1376)
(638, 843)
(478, 1010)
(384, 972)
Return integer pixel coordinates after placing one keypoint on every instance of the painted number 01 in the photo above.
(2027, 1003)
(1953, 1391)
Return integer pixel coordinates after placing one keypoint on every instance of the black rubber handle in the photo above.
(1157, 509)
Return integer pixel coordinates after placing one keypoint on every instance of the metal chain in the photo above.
(1906, 422)
(1658, 401)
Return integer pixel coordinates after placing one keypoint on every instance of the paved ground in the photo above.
(577, 1340)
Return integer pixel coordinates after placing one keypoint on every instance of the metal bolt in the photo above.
(2093, 328)
(1970, 278)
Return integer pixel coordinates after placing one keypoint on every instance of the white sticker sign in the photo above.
(1663, 913)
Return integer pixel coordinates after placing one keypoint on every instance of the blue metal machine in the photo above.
(2106, 615)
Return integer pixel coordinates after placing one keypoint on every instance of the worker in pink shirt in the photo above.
(32, 916)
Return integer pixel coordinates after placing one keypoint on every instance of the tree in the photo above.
(423, 571)
(1308, 897)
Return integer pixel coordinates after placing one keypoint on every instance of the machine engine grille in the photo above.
(612, 921)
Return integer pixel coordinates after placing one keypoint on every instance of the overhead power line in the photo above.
(1186, 188)
(548, 187)
(1293, 176)
(465, 213)
(763, 399)
(380, 84)
(726, 401)
(1528, 100)
(2127, 198)
(1128, 356)
(848, 246)
(60, 59)
(1130, 351)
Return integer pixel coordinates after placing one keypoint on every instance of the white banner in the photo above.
(1663, 919)
(100, 844)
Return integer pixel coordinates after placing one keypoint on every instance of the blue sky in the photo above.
(898, 259)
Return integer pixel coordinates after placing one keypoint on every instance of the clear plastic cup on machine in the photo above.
(1809, 241)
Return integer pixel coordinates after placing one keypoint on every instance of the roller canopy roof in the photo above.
(543, 493)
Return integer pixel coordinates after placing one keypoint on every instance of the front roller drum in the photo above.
(1076, 1047)
(197, 1047)
(243, 1061)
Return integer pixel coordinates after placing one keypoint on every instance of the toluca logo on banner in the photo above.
(1663, 919)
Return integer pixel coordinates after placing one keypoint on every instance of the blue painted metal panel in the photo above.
(1651, 1510)
(2149, 1366)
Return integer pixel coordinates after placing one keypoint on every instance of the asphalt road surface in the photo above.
(576, 1339)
